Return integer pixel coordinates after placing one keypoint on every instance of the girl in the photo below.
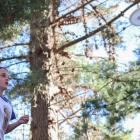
(6, 111)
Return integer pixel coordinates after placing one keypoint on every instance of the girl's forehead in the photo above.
(3, 71)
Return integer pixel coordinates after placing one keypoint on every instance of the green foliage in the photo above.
(39, 5)
(11, 31)
(109, 33)
(13, 10)
(84, 128)
(13, 13)
(123, 136)
(26, 86)
(116, 94)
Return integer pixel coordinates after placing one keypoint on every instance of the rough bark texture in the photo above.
(44, 125)
(40, 115)
(39, 110)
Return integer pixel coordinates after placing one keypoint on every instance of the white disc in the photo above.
(135, 17)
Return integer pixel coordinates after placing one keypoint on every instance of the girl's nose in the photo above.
(7, 78)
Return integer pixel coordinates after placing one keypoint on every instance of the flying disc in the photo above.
(135, 17)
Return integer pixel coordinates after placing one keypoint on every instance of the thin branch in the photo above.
(67, 7)
(98, 13)
(70, 116)
(106, 84)
(18, 79)
(68, 120)
(14, 57)
(97, 30)
(16, 63)
(128, 80)
(82, 55)
(68, 20)
(16, 44)
(21, 73)
(122, 99)
(64, 100)
(72, 11)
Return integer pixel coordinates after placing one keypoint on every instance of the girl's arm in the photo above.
(22, 120)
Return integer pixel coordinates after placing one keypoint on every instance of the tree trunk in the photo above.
(44, 124)
(39, 105)
(40, 118)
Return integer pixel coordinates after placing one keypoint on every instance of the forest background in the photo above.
(65, 68)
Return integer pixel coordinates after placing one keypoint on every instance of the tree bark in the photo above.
(44, 124)
(39, 105)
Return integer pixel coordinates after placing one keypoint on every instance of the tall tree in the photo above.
(49, 56)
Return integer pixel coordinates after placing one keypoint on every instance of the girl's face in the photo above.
(3, 79)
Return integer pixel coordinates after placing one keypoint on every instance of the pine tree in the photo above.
(49, 58)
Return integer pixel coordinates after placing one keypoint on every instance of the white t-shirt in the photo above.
(6, 114)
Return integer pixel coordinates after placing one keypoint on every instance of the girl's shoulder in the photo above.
(4, 98)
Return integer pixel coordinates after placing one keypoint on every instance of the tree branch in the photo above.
(122, 99)
(72, 11)
(71, 115)
(14, 57)
(16, 63)
(16, 44)
(95, 31)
